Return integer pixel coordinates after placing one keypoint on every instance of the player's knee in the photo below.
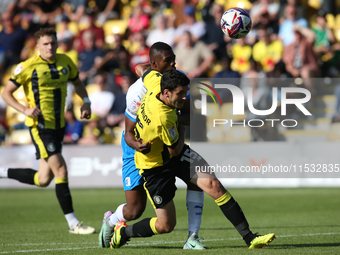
(134, 213)
(166, 227)
(213, 183)
(44, 182)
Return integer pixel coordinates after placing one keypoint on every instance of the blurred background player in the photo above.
(45, 118)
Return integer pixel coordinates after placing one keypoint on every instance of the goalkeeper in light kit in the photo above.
(170, 157)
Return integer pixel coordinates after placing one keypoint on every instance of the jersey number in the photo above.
(190, 156)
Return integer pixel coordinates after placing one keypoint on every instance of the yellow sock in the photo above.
(36, 180)
(61, 180)
(153, 225)
(223, 199)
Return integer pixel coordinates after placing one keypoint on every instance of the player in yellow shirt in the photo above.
(157, 123)
(266, 51)
(44, 78)
(162, 58)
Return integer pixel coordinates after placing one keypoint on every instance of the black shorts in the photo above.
(160, 181)
(47, 142)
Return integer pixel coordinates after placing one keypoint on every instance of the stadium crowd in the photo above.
(106, 39)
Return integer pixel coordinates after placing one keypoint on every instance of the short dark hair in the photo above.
(45, 31)
(157, 49)
(172, 79)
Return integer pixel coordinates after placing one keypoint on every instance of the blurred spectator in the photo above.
(141, 56)
(74, 9)
(116, 116)
(193, 57)
(12, 39)
(29, 49)
(98, 32)
(196, 28)
(279, 72)
(147, 6)
(73, 128)
(2, 61)
(272, 25)
(65, 47)
(299, 57)
(233, 78)
(286, 33)
(324, 36)
(23, 15)
(163, 32)
(214, 37)
(115, 76)
(110, 61)
(64, 32)
(139, 21)
(266, 51)
(107, 9)
(92, 134)
(260, 93)
(102, 100)
(7, 5)
(329, 6)
(226, 70)
(261, 6)
(88, 57)
(241, 53)
(45, 12)
(300, 9)
(254, 67)
(177, 6)
(265, 12)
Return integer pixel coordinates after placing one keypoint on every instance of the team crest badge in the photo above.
(18, 69)
(51, 147)
(158, 199)
(64, 71)
(172, 131)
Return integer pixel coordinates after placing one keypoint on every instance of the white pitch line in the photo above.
(143, 243)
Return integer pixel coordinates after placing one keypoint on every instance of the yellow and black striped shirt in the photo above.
(45, 86)
(156, 123)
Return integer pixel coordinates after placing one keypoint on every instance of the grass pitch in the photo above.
(305, 221)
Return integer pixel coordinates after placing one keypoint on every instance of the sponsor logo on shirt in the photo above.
(134, 105)
(18, 69)
(172, 131)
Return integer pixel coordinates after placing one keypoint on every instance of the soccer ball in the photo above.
(236, 23)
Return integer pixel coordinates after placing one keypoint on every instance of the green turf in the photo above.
(305, 221)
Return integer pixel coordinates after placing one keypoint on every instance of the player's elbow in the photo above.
(176, 151)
